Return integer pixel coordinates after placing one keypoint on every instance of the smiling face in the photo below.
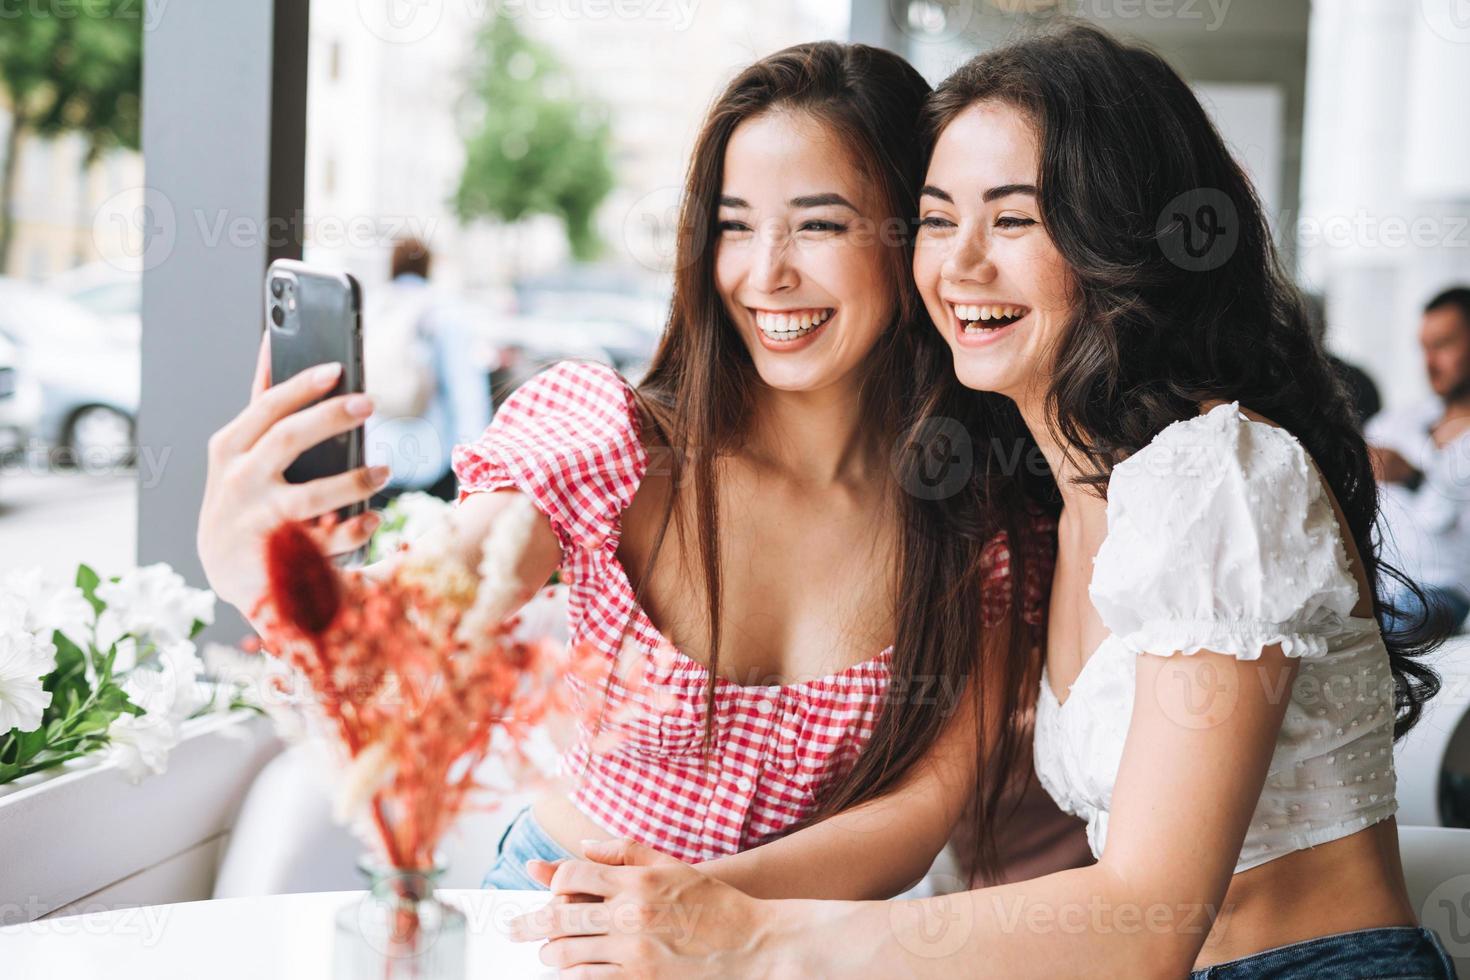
(799, 260)
(991, 278)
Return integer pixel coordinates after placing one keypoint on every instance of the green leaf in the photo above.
(87, 581)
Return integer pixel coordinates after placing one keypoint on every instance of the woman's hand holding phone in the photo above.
(246, 494)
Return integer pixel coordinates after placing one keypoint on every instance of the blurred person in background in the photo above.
(1421, 456)
(428, 392)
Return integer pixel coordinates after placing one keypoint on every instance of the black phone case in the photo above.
(325, 326)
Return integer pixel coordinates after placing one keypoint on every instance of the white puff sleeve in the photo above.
(1222, 537)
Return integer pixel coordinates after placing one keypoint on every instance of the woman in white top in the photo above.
(1218, 700)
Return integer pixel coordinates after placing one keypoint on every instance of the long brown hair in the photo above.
(697, 401)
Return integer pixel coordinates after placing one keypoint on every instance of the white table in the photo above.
(281, 937)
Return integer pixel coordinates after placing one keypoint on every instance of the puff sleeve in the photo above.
(1222, 537)
(568, 439)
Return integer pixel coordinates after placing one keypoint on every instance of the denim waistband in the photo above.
(1407, 952)
(523, 840)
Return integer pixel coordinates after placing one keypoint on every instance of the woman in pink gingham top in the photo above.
(569, 440)
(812, 638)
(845, 621)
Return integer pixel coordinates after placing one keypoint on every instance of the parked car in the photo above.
(88, 369)
(20, 399)
(112, 293)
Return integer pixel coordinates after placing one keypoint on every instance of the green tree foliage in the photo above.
(69, 67)
(532, 146)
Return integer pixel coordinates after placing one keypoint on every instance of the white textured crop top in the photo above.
(1222, 537)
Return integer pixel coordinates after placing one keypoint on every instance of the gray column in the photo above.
(224, 134)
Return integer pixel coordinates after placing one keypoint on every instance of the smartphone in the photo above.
(315, 317)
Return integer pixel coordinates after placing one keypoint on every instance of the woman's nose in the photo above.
(771, 268)
(968, 260)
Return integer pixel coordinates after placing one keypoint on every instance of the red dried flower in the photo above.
(389, 670)
(302, 581)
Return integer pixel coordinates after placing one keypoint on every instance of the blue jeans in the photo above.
(523, 840)
(1399, 952)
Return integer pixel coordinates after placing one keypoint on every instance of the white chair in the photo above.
(1440, 739)
(1437, 870)
(285, 841)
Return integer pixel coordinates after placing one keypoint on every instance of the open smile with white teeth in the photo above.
(790, 324)
(987, 317)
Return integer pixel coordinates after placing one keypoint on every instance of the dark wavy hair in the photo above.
(1181, 295)
(698, 395)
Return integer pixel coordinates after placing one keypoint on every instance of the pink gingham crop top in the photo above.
(569, 440)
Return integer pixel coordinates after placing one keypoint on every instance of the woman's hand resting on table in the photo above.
(629, 911)
(246, 495)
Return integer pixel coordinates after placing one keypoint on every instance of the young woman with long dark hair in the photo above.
(742, 508)
(1219, 699)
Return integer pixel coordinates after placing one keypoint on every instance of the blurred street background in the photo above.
(536, 150)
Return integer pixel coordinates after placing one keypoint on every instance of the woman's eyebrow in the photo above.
(1006, 190)
(805, 201)
(821, 200)
(929, 190)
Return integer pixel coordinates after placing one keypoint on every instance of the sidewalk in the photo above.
(60, 518)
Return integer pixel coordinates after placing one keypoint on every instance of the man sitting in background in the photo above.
(1421, 456)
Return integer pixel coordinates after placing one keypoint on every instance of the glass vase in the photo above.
(399, 930)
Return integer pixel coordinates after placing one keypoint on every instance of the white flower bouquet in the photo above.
(99, 666)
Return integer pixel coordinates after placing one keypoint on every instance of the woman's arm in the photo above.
(874, 850)
(1199, 745)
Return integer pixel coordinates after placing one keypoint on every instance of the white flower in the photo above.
(24, 660)
(154, 603)
(420, 512)
(140, 744)
(30, 601)
(499, 592)
(172, 689)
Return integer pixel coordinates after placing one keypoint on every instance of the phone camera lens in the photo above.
(278, 315)
(278, 287)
